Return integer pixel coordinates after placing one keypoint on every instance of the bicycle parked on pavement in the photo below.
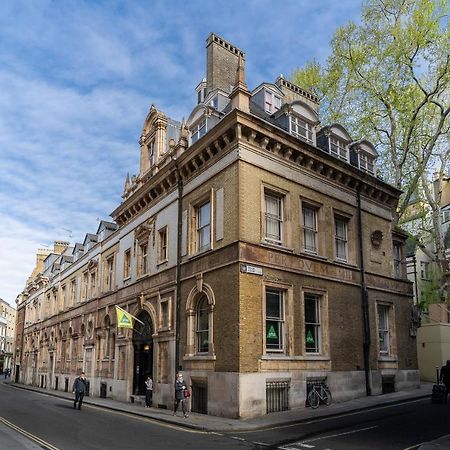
(319, 393)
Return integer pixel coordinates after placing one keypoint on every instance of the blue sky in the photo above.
(77, 79)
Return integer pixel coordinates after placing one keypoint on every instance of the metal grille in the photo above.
(277, 396)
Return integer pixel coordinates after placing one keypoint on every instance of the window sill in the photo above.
(295, 358)
(199, 357)
(313, 255)
(199, 253)
(161, 263)
(140, 277)
(276, 246)
(387, 358)
(127, 278)
(345, 264)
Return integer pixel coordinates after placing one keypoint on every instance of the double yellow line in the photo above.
(34, 438)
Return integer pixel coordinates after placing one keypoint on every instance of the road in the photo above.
(396, 427)
(31, 420)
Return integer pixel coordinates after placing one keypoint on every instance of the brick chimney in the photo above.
(222, 62)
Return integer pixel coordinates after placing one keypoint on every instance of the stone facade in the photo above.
(7, 333)
(253, 258)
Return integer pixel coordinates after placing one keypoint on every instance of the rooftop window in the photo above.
(199, 130)
(338, 148)
(301, 129)
(272, 102)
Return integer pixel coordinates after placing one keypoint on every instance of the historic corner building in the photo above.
(257, 248)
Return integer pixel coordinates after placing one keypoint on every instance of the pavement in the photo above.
(226, 425)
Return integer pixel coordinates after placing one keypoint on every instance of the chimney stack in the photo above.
(222, 62)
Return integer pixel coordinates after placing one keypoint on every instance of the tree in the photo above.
(388, 80)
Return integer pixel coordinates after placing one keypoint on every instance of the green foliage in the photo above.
(388, 80)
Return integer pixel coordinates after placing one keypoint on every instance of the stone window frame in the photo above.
(144, 235)
(194, 207)
(163, 256)
(397, 259)
(288, 300)
(127, 264)
(109, 276)
(318, 208)
(197, 292)
(322, 295)
(391, 330)
(284, 195)
(346, 221)
(85, 286)
(168, 300)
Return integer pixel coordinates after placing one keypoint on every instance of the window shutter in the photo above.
(219, 214)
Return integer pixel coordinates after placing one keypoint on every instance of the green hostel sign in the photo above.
(309, 337)
(272, 334)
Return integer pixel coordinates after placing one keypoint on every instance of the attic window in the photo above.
(198, 131)
(272, 102)
(366, 163)
(301, 129)
(338, 149)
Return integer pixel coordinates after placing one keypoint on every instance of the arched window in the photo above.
(202, 325)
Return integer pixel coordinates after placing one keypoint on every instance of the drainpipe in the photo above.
(178, 273)
(364, 299)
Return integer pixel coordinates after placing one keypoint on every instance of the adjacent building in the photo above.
(7, 333)
(256, 247)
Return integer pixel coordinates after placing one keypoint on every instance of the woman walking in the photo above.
(180, 390)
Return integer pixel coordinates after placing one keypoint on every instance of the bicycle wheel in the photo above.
(327, 399)
(313, 399)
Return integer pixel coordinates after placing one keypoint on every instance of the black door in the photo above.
(143, 352)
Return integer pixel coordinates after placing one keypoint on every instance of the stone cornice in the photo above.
(238, 126)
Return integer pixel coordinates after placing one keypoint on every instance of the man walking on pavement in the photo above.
(79, 389)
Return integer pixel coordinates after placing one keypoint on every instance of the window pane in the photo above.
(273, 304)
(311, 309)
(204, 214)
(274, 320)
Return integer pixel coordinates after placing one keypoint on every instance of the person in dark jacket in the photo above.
(180, 388)
(445, 378)
(79, 389)
(148, 392)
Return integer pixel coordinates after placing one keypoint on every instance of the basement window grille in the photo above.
(277, 396)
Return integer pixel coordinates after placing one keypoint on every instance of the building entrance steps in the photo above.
(223, 424)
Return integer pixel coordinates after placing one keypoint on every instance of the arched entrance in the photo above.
(143, 352)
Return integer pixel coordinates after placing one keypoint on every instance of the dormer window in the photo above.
(301, 129)
(338, 148)
(198, 131)
(272, 102)
(366, 163)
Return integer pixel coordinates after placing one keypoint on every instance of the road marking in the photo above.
(414, 446)
(295, 444)
(336, 416)
(30, 436)
(341, 434)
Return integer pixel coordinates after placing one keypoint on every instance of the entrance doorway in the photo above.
(143, 352)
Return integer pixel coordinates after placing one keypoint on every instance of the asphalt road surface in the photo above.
(30, 420)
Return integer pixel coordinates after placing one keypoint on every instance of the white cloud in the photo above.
(77, 79)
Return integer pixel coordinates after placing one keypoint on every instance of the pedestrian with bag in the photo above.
(181, 393)
(445, 378)
(79, 389)
(148, 392)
